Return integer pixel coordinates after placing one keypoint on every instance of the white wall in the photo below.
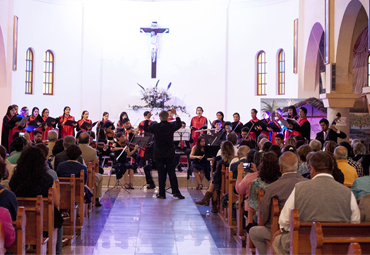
(100, 54)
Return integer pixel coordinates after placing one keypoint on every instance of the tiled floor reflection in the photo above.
(139, 223)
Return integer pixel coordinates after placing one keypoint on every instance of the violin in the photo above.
(335, 121)
(128, 144)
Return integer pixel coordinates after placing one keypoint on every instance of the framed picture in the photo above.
(15, 43)
(295, 47)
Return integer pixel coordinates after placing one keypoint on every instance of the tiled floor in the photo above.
(139, 223)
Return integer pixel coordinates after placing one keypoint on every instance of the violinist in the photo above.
(330, 133)
(37, 137)
(84, 119)
(129, 131)
(142, 132)
(45, 128)
(7, 127)
(105, 139)
(120, 125)
(123, 168)
(292, 114)
(197, 122)
(101, 123)
(64, 129)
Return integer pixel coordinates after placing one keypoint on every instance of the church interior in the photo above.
(228, 56)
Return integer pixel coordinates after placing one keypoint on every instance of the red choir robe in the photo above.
(45, 131)
(273, 134)
(253, 134)
(197, 123)
(288, 133)
(66, 130)
(32, 118)
(81, 121)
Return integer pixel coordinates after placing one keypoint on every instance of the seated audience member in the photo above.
(52, 138)
(337, 173)
(7, 227)
(361, 185)
(260, 144)
(58, 147)
(276, 149)
(268, 172)
(7, 198)
(320, 199)
(260, 137)
(351, 162)
(290, 141)
(72, 166)
(290, 148)
(279, 139)
(50, 171)
(62, 156)
(302, 154)
(37, 137)
(364, 206)
(315, 145)
(329, 146)
(88, 155)
(242, 156)
(299, 143)
(9, 167)
(246, 176)
(349, 172)
(31, 179)
(280, 189)
(266, 146)
(355, 141)
(227, 153)
(359, 150)
(18, 144)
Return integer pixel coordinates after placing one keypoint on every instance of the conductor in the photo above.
(164, 151)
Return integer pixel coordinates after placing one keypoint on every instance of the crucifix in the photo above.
(154, 31)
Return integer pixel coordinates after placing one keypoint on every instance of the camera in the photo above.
(246, 165)
(21, 134)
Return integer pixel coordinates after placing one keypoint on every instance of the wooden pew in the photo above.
(79, 199)
(35, 225)
(2, 240)
(232, 200)
(91, 185)
(223, 190)
(19, 245)
(354, 249)
(67, 192)
(300, 233)
(274, 218)
(240, 230)
(337, 239)
(251, 213)
(48, 217)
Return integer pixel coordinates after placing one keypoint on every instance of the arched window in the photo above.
(261, 73)
(48, 73)
(368, 71)
(281, 72)
(29, 71)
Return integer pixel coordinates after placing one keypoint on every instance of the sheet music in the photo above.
(183, 134)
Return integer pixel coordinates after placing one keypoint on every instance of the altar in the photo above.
(136, 116)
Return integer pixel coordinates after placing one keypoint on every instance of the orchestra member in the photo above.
(197, 122)
(128, 130)
(244, 136)
(183, 146)
(142, 133)
(304, 128)
(7, 127)
(292, 114)
(279, 140)
(327, 135)
(101, 123)
(45, 128)
(237, 125)
(220, 117)
(164, 151)
(170, 115)
(200, 166)
(65, 130)
(254, 132)
(37, 137)
(84, 119)
(105, 137)
(124, 168)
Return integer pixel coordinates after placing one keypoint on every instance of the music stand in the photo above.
(118, 183)
(182, 134)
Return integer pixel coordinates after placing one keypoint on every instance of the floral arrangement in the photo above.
(155, 97)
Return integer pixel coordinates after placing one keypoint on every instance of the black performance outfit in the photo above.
(201, 164)
(164, 153)
(331, 136)
(120, 165)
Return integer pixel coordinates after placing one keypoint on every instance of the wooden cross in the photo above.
(154, 31)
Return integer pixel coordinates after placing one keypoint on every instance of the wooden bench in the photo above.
(300, 233)
(274, 219)
(79, 199)
(334, 238)
(91, 185)
(35, 224)
(232, 200)
(251, 213)
(224, 178)
(48, 217)
(2, 240)
(67, 192)
(19, 245)
(354, 249)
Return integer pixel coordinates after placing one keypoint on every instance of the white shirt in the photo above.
(284, 219)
